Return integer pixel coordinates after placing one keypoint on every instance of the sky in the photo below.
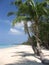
(9, 34)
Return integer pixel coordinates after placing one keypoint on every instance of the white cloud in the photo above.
(18, 28)
(29, 24)
(21, 25)
(14, 31)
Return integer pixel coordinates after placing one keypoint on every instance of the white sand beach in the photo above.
(20, 55)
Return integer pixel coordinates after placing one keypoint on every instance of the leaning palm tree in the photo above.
(33, 12)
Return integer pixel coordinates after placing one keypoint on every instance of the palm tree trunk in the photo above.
(38, 42)
(30, 39)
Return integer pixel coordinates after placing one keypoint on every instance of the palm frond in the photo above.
(17, 2)
(11, 13)
(47, 1)
(19, 19)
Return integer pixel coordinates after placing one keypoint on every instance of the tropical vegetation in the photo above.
(35, 12)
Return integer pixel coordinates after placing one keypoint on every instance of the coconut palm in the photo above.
(33, 12)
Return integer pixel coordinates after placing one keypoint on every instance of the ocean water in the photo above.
(5, 46)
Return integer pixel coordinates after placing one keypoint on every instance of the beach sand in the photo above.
(20, 55)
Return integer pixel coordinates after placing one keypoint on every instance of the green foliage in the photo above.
(44, 32)
(11, 13)
(26, 43)
(43, 35)
(30, 9)
(33, 12)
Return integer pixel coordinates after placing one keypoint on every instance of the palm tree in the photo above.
(33, 12)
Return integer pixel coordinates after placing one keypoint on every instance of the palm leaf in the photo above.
(17, 2)
(11, 13)
(19, 19)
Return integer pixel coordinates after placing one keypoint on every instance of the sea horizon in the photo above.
(7, 45)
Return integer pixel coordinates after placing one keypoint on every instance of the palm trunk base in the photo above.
(38, 52)
(35, 50)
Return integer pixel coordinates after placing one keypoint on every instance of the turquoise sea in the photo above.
(6, 46)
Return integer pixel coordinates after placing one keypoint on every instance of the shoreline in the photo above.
(7, 46)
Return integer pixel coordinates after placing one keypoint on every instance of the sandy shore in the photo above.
(20, 55)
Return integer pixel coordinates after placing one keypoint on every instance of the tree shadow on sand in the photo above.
(25, 62)
(24, 54)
